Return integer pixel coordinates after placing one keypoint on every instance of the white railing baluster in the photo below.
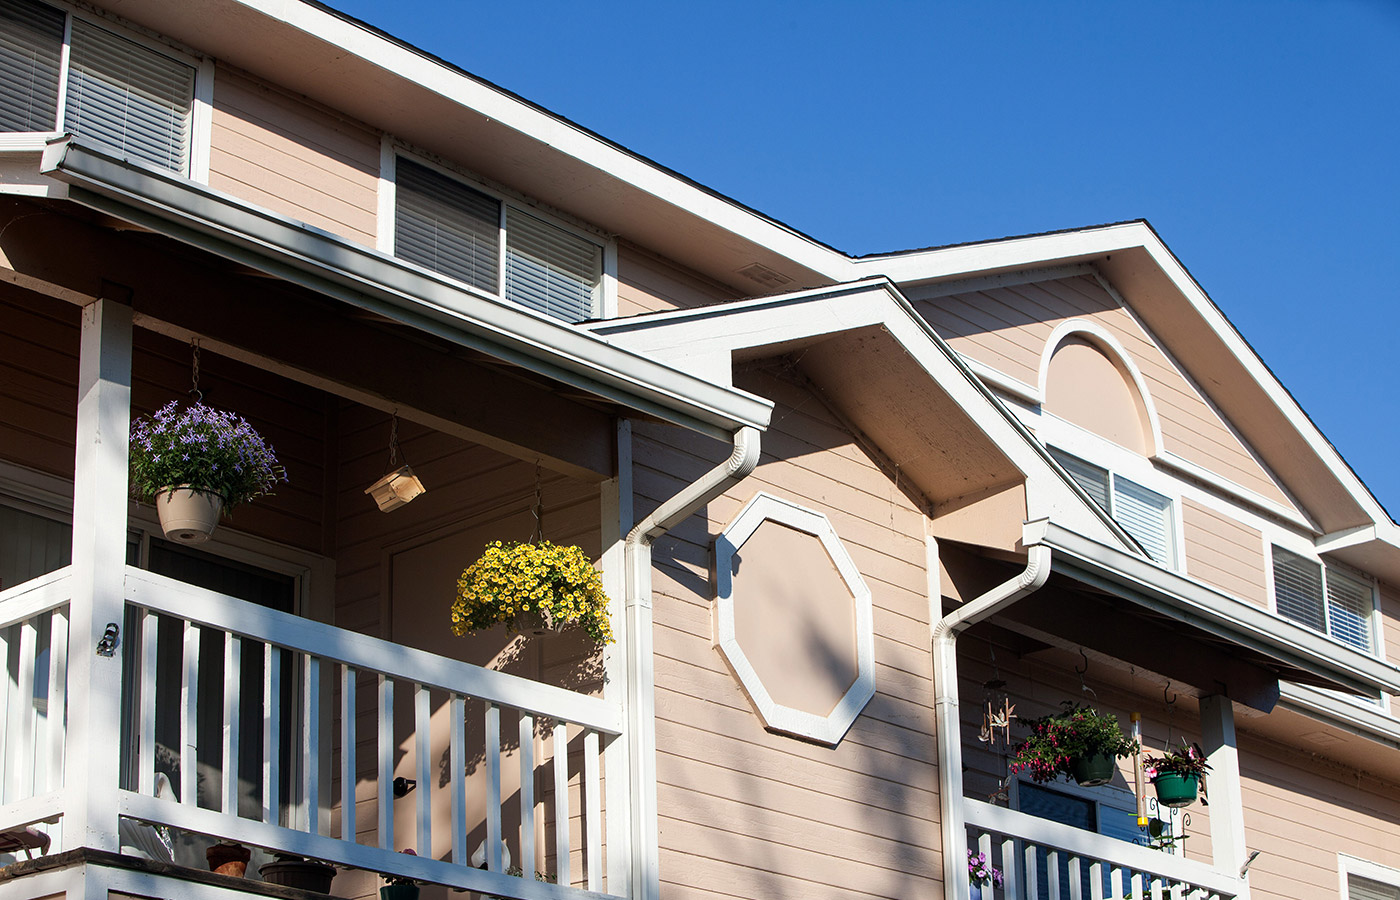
(1009, 872)
(58, 696)
(8, 688)
(146, 735)
(457, 782)
(1157, 890)
(311, 739)
(1135, 886)
(386, 762)
(22, 774)
(423, 733)
(189, 718)
(1052, 872)
(233, 668)
(1032, 871)
(1115, 882)
(562, 872)
(272, 734)
(1096, 880)
(527, 795)
(984, 845)
(493, 787)
(1076, 879)
(347, 753)
(593, 809)
(1178, 891)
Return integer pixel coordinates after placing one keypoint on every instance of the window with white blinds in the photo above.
(121, 94)
(1359, 888)
(444, 225)
(1323, 598)
(132, 99)
(1145, 514)
(31, 53)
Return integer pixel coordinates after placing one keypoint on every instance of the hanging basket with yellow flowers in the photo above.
(532, 586)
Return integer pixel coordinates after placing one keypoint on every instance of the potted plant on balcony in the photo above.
(981, 873)
(399, 887)
(1177, 775)
(1080, 742)
(196, 462)
(532, 586)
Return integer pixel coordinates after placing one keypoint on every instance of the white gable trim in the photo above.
(1100, 336)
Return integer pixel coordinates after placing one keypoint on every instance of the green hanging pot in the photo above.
(1176, 790)
(1093, 770)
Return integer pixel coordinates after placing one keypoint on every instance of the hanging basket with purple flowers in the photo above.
(194, 462)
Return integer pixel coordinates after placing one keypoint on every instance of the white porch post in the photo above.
(1227, 835)
(617, 522)
(99, 561)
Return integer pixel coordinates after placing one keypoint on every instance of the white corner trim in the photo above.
(828, 729)
(1105, 341)
(202, 121)
(388, 199)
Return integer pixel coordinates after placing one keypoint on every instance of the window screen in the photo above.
(1298, 589)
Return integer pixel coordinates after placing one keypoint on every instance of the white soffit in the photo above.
(828, 729)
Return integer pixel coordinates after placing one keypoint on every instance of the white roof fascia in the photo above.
(224, 225)
(1220, 614)
(701, 334)
(561, 135)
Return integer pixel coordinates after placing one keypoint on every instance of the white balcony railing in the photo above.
(1043, 859)
(284, 785)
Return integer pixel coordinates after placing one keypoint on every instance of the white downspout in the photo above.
(641, 682)
(945, 686)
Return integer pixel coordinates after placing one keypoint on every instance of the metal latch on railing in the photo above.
(108, 643)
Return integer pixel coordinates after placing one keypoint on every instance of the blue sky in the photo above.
(1259, 139)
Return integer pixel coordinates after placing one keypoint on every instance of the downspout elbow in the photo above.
(742, 460)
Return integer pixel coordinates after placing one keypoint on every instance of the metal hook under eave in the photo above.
(1170, 701)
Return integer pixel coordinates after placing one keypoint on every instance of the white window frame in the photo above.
(1348, 866)
(392, 148)
(201, 111)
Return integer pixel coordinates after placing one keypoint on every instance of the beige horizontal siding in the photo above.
(1224, 553)
(647, 283)
(288, 155)
(1302, 811)
(1390, 624)
(748, 813)
(1007, 329)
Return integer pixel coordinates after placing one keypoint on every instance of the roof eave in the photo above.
(199, 216)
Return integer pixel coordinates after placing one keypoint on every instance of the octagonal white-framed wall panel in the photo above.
(832, 727)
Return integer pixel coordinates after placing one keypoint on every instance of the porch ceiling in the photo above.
(300, 334)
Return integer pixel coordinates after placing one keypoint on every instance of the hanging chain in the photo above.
(538, 509)
(194, 371)
(393, 439)
(1171, 713)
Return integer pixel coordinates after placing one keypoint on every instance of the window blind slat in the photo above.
(1298, 589)
(1091, 478)
(1349, 605)
(1146, 515)
(31, 46)
(550, 270)
(130, 97)
(447, 227)
(1359, 888)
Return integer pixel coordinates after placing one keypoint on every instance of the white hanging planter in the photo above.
(188, 516)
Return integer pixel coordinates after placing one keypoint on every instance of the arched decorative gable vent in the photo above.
(793, 619)
(1087, 379)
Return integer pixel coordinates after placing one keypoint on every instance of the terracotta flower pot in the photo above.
(228, 859)
(1176, 790)
(188, 516)
(1093, 770)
